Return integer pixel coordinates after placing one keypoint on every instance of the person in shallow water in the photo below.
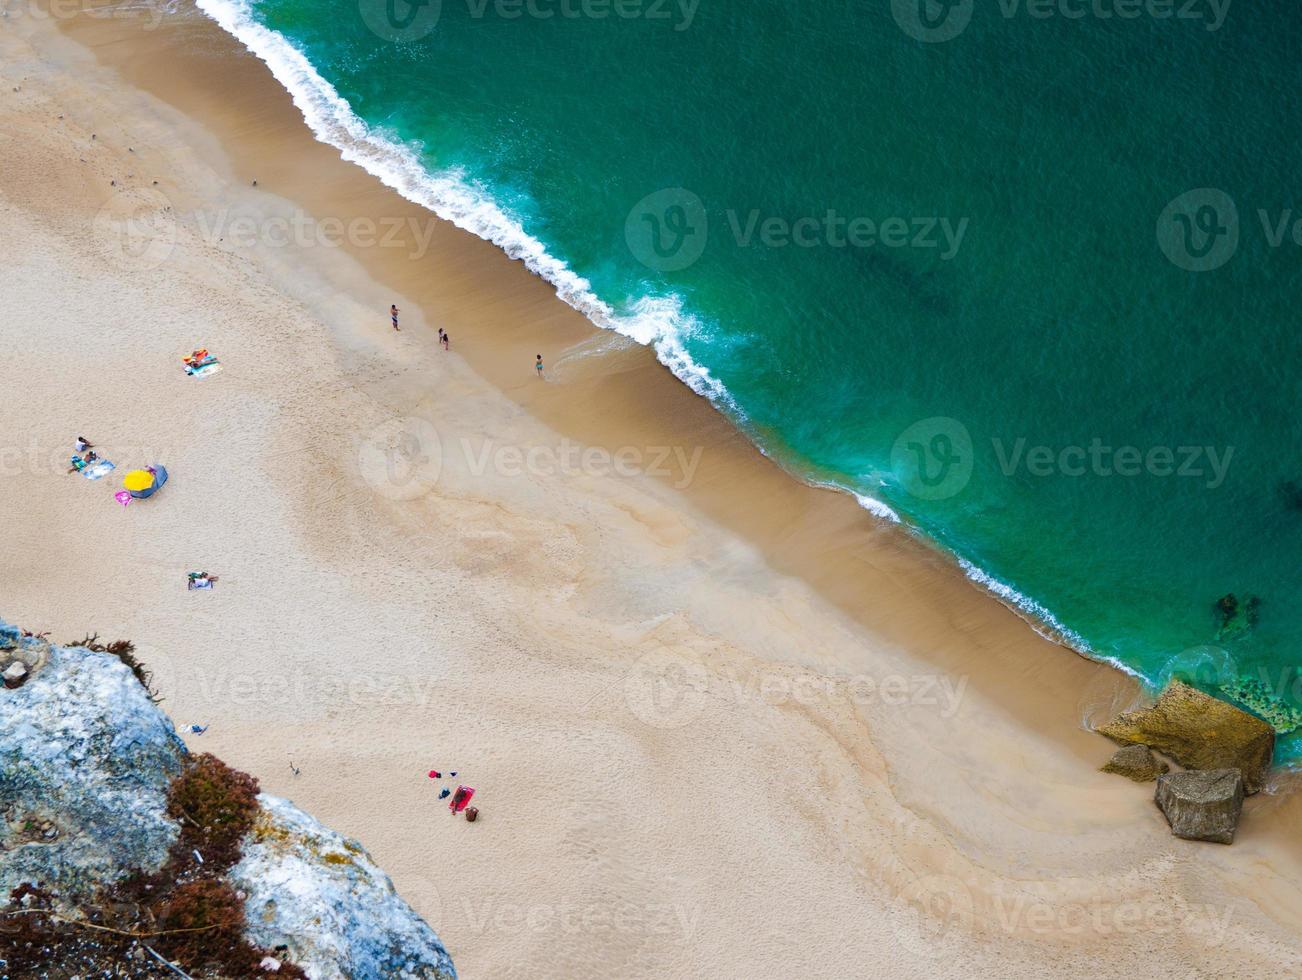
(538, 366)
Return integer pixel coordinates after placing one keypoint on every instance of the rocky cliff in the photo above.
(123, 855)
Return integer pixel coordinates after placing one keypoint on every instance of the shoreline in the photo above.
(629, 414)
(333, 122)
(833, 817)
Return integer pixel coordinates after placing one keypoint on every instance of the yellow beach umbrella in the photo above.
(138, 480)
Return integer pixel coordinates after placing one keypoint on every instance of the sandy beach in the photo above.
(720, 723)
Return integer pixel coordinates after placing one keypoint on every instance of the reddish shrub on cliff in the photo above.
(215, 806)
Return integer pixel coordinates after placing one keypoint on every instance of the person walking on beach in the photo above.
(446, 337)
(538, 366)
(393, 315)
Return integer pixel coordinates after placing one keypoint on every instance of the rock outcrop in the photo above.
(82, 748)
(305, 884)
(1136, 762)
(1199, 732)
(1202, 805)
(87, 762)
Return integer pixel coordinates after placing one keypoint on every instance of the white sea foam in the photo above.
(1040, 618)
(655, 321)
(877, 508)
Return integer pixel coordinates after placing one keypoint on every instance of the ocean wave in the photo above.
(1041, 619)
(877, 508)
(658, 322)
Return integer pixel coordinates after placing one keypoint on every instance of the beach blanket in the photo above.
(97, 469)
(460, 799)
(200, 364)
(208, 368)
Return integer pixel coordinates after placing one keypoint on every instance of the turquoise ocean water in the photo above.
(1024, 278)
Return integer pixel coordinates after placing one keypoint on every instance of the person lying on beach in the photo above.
(200, 580)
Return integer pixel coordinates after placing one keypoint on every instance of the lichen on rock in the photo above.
(83, 748)
(1199, 732)
(1136, 762)
(1202, 805)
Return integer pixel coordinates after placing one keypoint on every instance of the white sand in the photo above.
(690, 763)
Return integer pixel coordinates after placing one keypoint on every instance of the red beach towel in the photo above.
(460, 799)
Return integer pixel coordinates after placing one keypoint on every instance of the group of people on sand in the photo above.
(445, 338)
(83, 455)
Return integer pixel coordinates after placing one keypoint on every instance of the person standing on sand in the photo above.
(440, 335)
(538, 366)
(393, 315)
(446, 337)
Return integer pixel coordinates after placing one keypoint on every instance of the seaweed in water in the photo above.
(1290, 491)
(1265, 703)
(1236, 617)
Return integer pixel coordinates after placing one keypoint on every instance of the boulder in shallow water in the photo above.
(1136, 762)
(1199, 732)
(1202, 805)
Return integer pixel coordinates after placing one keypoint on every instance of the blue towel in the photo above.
(97, 469)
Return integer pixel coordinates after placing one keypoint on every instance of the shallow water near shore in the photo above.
(945, 275)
